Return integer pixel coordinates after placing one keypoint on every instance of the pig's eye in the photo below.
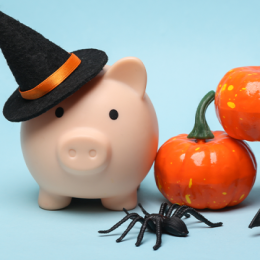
(113, 114)
(59, 112)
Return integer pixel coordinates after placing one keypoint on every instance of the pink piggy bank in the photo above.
(98, 143)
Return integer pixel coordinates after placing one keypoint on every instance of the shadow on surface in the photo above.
(145, 195)
(86, 205)
(255, 235)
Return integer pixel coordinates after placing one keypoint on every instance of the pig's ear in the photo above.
(131, 71)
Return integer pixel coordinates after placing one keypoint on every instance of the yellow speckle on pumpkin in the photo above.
(214, 201)
(219, 86)
(229, 99)
(243, 88)
(190, 183)
(197, 149)
(187, 197)
(233, 151)
(249, 74)
(230, 87)
(231, 70)
(242, 197)
(224, 117)
(224, 87)
(230, 77)
(172, 199)
(204, 179)
(173, 139)
(241, 118)
(231, 104)
(224, 193)
(171, 162)
(160, 186)
(236, 95)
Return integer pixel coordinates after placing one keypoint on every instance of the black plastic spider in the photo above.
(160, 223)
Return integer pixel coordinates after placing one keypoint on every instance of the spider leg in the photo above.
(158, 234)
(162, 208)
(127, 213)
(141, 233)
(143, 210)
(255, 221)
(140, 219)
(179, 211)
(119, 223)
(198, 216)
(131, 225)
(172, 207)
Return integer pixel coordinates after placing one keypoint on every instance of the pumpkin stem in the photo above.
(201, 129)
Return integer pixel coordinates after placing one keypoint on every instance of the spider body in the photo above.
(175, 227)
(163, 222)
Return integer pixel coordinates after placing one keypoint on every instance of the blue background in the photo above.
(187, 47)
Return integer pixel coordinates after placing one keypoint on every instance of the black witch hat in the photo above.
(46, 74)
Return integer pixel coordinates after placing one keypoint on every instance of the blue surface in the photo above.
(187, 47)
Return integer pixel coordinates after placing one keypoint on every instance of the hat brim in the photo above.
(17, 109)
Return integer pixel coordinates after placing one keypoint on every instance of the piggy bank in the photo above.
(98, 143)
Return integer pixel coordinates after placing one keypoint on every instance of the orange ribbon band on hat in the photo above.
(53, 80)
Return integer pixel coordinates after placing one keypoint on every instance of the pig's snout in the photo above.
(83, 151)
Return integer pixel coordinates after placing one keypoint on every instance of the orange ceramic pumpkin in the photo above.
(237, 103)
(205, 170)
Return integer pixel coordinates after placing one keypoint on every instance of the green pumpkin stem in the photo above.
(201, 129)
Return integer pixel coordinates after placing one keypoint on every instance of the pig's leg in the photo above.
(52, 201)
(127, 201)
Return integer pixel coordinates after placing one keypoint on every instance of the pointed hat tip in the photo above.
(3, 15)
